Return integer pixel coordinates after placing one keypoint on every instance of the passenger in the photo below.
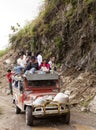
(39, 58)
(18, 56)
(32, 65)
(52, 63)
(45, 66)
(21, 61)
(9, 77)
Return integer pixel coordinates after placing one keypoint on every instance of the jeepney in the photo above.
(34, 95)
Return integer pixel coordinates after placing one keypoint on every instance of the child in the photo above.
(9, 77)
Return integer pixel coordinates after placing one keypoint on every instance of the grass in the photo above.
(58, 41)
(3, 52)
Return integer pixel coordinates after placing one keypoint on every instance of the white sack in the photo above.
(61, 98)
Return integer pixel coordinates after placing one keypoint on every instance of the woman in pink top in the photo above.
(45, 66)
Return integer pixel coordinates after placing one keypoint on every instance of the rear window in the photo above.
(42, 83)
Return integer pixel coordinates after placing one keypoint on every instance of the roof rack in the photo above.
(53, 75)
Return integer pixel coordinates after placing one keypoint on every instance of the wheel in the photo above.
(29, 116)
(17, 110)
(67, 118)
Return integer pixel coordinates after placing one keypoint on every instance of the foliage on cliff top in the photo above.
(28, 36)
(48, 19)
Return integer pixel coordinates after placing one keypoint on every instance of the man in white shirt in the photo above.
(21, 61)
(39, 58)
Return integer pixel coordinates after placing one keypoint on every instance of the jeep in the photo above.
(34, 95)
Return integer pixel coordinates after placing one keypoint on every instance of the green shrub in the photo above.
(53, 22)
(58, 42)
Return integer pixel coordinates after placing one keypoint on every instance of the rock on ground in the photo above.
(92, 105)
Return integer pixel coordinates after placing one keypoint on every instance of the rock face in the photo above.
(92, 105)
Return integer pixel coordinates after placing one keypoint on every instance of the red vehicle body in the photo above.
(42, 88)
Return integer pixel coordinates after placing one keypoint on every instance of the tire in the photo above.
(17, 110)
(67, 118)
(29, 116)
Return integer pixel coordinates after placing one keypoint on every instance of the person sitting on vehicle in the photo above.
(52, 63)
(32, 66)
(45, 66)
(21, 61)
(39, 58)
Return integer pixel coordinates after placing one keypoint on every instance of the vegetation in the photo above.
(29, 35)
(88, 1)
(3, 52)
(58, 42)
(55, 26)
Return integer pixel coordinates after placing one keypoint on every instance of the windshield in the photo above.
(42, 83)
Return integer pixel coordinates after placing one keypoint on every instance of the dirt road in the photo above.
(10, 121)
